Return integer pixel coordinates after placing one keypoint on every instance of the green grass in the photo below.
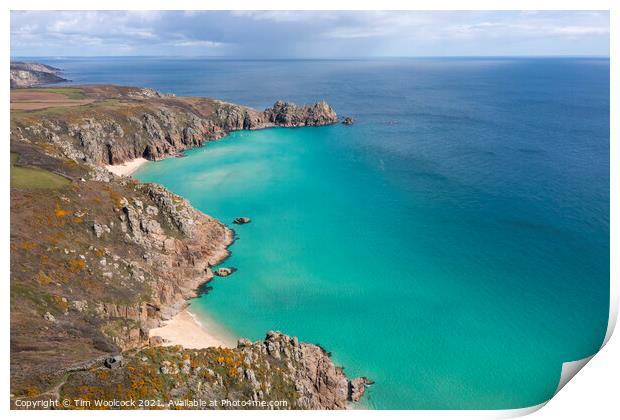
(70, 93)
(73, 110)
(34, 178)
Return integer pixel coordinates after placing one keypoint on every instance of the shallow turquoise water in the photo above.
(453, 245)
(397, 291)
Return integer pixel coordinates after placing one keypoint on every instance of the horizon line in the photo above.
(317, 58)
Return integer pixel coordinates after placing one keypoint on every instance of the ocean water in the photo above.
(452, 245)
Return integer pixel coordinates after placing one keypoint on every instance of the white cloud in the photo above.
(306, 33)
(581, 30)
(198, 43)
(476, 25)
(284, 15)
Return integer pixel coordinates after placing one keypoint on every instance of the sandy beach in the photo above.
(185, 330)
(126, 168)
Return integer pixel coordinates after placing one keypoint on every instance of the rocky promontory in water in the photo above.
(277, 369)
(30, 74)
(98, 260)
(122, 124)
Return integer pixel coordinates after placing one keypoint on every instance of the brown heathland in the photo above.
(33, 99)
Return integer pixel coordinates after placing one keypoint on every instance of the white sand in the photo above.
(126, 168)
(185, 330)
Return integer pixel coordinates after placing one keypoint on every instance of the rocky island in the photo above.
(98, 260)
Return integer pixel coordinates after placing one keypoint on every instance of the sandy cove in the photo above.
(184, 329)
(126, 168)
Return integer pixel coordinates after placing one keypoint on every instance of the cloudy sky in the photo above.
(270, 34)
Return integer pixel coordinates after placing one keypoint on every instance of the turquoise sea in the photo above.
(452, 245)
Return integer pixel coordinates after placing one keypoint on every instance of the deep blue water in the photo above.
(453, 244)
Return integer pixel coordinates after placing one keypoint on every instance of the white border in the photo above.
(597, 384)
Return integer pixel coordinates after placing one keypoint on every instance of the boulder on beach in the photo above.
(224, 271)
(242, 220)
(156, 341)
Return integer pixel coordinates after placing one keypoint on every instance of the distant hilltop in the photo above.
(28, 74)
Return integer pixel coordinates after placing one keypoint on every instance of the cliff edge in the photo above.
(98, 260)
(108, 125)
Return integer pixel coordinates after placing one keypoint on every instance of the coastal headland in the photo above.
(31, 74)
(100, 261)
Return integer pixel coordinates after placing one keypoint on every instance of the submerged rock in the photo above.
(348, 121)
(242, 220)
(224, 271)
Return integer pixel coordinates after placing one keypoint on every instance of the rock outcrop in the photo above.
(357, 388)
(286, 114)
(148, 124)
(224, 271)
(30, 74)
(319, 383)
(242, 220)
(276, 369)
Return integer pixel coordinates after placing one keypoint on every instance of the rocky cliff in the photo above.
(278, 372)
(30, 74)
(99, 261)
(126, 123)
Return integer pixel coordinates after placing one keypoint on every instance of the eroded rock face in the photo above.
(287, 114)
(274, 369)
(231, 117)
(181, 265)
(357, 388)
(153, 125)
(318, 382)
